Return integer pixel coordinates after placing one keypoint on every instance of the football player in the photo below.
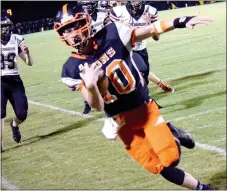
(103, 69)
(138, 14)
(12, 87)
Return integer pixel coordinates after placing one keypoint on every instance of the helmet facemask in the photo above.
(76, 31)
(89, 6)
(136, 5)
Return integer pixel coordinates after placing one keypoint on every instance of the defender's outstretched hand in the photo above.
(198, 20)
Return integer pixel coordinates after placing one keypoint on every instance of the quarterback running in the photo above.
(103, 69)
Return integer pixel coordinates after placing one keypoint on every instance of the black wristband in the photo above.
(181, 22)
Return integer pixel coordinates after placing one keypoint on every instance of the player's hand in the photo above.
(91, 74)
(165, 87)
(24, 47)
(198, 20)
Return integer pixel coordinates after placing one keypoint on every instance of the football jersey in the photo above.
(126, 89)
(97, 22)
(9, 53)
(125, 15)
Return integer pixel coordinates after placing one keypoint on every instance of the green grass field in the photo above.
(62, 150)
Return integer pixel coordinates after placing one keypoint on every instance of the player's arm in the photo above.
(154, 18)
(160, 27)
(25, 54)
(90, 91)
(87, 86)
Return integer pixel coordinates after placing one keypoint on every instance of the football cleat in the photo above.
(16, 133)
(87, 108)
(165, 87)
(185, 138)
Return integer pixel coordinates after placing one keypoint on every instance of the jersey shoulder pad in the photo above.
(116, 13)
(18, 38)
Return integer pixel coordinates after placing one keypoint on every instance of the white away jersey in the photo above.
(9, 53)
(98, 21)
(122, 14)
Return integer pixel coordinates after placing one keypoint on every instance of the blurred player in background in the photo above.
(139, 14)
(103, 69)
(12, 87)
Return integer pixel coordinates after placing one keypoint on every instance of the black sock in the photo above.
(173, 175)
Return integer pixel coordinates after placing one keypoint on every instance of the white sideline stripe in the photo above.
(8, 185)
(59, 109)
(200, 113)
(211, 148)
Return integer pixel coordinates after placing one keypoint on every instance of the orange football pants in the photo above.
(147, 138)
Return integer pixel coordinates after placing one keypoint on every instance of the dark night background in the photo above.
(24, 11)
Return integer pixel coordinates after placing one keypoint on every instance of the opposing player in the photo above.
(139, 14)
(12, 87)
(105, 73)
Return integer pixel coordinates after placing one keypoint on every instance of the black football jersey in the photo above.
(113, 50)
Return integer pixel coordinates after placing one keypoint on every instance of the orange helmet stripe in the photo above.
(64, 9)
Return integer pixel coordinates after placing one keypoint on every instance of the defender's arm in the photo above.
(25, 54)
(160, 27)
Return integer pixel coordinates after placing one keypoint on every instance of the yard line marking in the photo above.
(218, 140)
(59, 109)
(197, 114)
(8, 185)
(201, 127)
(211, 148)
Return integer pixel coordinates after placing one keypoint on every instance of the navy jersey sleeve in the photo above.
(71, 76)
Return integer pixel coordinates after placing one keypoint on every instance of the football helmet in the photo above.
(6, 25)
(73, 25)
(136, 5)
(89, 6)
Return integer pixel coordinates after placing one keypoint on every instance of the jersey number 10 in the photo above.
(121, 78)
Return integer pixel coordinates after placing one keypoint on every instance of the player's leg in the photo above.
(185, 138)
(87, 108)
(184, 179)
(152, 76)
(168, 151)
(4, 99)
(142, 67)
(19, 103)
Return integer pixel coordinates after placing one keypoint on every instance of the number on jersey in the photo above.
(8, 60)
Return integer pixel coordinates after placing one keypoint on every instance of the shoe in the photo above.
(185, 138)
(165, 87)
(16, 133)
(87, 108)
